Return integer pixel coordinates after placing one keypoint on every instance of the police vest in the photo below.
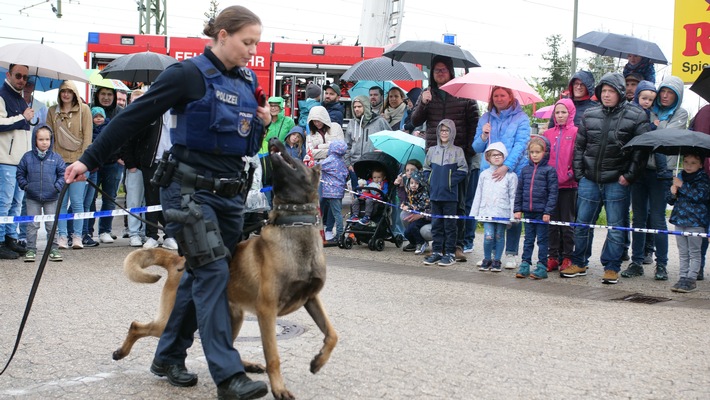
(224, 120)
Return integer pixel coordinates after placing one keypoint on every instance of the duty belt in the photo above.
(224, 187)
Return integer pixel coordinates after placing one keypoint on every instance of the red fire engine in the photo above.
(281, 68)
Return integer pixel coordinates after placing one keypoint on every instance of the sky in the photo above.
(506, 34)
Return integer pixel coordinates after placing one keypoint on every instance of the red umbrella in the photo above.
(544, 112)
(478, 83)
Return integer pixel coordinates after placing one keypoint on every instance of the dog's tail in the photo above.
(135, 264)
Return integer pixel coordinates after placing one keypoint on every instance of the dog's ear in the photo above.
(316, 173)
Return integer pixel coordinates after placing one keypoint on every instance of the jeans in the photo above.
(152, 198)
(512, 239)
(493, 240)
(443, 230)
(397, 223)
(35, 208)
(470, 227)
(648, 203)
(89, 204)
(334, 207)
(533, 231)
(135, 197)
(591, 197)
(689, 251)
(562, 237)
(413, 231)
(10, 200)
(109, 178)
(75, 194)
(23, 227)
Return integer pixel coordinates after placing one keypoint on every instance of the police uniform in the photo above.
(214, 110)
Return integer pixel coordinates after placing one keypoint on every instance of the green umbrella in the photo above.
(97, 80)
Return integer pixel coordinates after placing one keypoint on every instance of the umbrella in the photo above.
(362, 88)
(422, 52)
(701, 86)
(400, 145)
(97, 80)
(138, 67)
(42, 60)
(383, 69)
(672, 141)
(616, 45)
(478, 84)
(544, 112)
(42, 84)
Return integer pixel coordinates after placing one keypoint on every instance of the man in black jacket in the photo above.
(604, 172)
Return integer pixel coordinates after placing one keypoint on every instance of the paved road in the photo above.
(406, 331)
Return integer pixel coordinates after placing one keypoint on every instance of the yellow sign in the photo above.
(691, 39)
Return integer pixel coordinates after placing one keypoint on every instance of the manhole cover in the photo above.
(284, 330)
(641, 298)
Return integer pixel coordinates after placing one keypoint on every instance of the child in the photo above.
(444, 168)
(689, 197)
(295, 143)
(494, 199)
(334, 177)
(643, 97)
(377, 181)
(40, 174)
(401, 184)
(536, 196)
(417, 199)
(100, 121)
(561, 137)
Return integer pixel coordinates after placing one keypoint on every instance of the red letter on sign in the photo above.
(697, 34)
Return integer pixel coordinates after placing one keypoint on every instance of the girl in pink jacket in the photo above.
(562, 136)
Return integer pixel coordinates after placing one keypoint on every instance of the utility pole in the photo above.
(574, 36)
(152, 10)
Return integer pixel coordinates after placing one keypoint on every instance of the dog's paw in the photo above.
(118, 354)
(253, 368)
(283, 394)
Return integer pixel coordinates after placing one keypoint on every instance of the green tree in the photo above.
(600, 65)
(558, 66)
(214, 10)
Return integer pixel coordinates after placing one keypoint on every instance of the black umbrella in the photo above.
(616, 45)
(701, 86)
(673, 142)
(138, 67)
(422, 52)
(383, 69)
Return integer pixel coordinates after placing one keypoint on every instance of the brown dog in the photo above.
(271, 275)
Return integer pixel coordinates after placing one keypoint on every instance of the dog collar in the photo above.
(295, 221)
(296, 207)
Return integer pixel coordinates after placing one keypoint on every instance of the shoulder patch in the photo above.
(246, 74)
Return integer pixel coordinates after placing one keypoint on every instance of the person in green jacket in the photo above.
(280, 127)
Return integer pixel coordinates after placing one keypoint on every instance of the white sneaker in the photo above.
(150, 244)
(105, 238)
(63, 242)
(76, 243)
(479, 263)
(329, 235)
(511, 261)
(136, 241)
(422, 249)
(170, 244)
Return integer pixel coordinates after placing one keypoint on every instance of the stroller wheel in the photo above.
(398, 240)
(371, 244)
(348, 243)
(380, 244)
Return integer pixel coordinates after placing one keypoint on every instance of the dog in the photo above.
(271, 275)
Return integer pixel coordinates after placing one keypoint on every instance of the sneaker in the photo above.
(632, 270)
(647, 259)
(76, 242)
(459, 255)
(63, 242)
(511, 261)
(422, 248)
(690, 285)
(479, 263)
(566, 262)
(523, 270)
(540, 271)
(124, 234)
(448, 259)
(353, 219)
(170, 244)
(552, 264)
(410, 247)
(7, 254)
(329, 235)
(485, 265)
(331, 243)
(573, 271)
(364, 220)
(495, 266)
(610, 277)
(678, 285)
(150, 244)
(114, 237)
(54, 255)
(661, 272)
(30, 256)
(87, 241)
(105, 238)
(468, 249)
(684, 285)
(136, 241)
(625, 255)
(15, 245)
(433, 259)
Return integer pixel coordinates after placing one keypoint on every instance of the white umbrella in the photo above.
(42, 60)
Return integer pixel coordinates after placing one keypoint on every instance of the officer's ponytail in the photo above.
(231, 19)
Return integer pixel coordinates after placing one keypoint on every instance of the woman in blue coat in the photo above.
(505, 122)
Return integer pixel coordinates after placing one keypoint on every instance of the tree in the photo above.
(214, 10)
(600, 65)
(559, 66)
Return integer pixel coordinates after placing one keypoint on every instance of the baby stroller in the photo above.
(380, 228)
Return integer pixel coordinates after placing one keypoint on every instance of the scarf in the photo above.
(41, 154)
(393, 115)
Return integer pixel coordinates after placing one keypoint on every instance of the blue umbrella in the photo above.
(400, 145)
(42, 84)
(362, 88)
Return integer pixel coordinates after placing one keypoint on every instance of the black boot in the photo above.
(12, 244)
(240, 387)
(177, 374)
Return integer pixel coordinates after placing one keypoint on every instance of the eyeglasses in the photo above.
(440, 70)
(19, 76)
(496, 155)
(578, 84)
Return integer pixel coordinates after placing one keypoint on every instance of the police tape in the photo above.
(77, 216)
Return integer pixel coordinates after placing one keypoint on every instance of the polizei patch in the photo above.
(224, 97)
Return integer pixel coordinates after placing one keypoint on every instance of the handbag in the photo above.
(65, 139)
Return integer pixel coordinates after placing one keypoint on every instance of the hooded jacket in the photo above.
(537, 184)
(279, 128)
(298, 151)
(690, 204)
(41, 178)
(359, 130)
(318, 142)
(587, 79)
(495, 198)
(673, 116)
(78, 120)
(654, 159)
(561, 138)
(334, 172)
(111, 110)
(598, 154)
(417, 200)
(445, 166)
(336, 111)
(644, 67)
(15, 133)
(511, 127)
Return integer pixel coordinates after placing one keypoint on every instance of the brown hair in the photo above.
(231, 19)
(490, 101)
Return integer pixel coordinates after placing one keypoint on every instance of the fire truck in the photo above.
(282, 69)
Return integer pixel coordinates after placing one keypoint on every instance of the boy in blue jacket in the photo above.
(40, 174)
(536, 197)
(444, 167)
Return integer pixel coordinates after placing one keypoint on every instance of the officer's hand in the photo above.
(75, 172)
(264, 114)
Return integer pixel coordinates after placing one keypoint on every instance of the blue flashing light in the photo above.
(93, 37)
(450, 39)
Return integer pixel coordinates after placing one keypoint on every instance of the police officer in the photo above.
(218, 119)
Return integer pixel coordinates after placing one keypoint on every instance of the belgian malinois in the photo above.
(271, 275)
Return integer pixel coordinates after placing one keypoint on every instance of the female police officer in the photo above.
(217, 120)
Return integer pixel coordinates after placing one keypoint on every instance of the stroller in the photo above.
(380, 228)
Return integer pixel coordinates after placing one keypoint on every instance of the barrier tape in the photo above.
(77, 216)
